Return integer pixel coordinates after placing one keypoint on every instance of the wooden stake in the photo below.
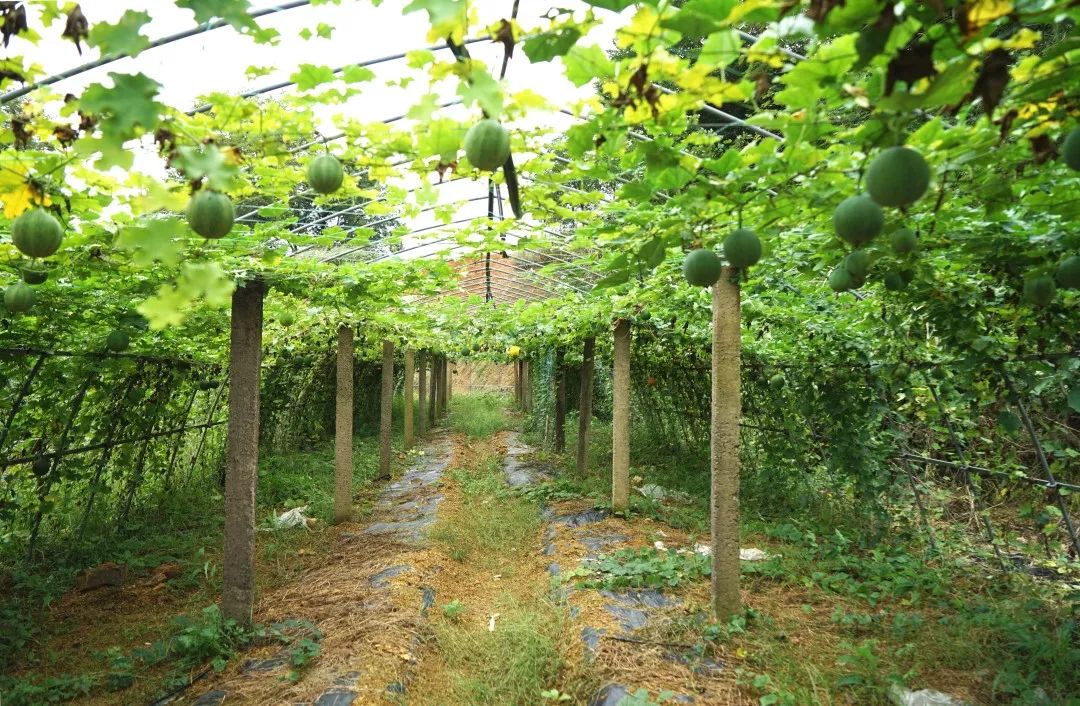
(343, 428)
(620, 420)
(242, 452)
(386, 408)
(433, 390)
(560, 401)
(588, 365)
(724, 447)
(407, 393)
(443, 384)
(422, 393)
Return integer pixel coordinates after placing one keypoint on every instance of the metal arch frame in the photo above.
(367, 62)
(154, 44)
(353, 229)
(499, 285)
(348, 210)
(508, 270)
(504, 288)
(510, 267)
(408, 249)
(537, 264)
(569, 263)
(727, 117)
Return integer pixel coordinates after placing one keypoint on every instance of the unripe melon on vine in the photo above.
(742, 248)
(210, 214)
(777, 381)
(41, 466)
(1070, 149)
(34, 274)
(898, 176)
(701, 268)
(325, 174)
(117, 341)
(858, 219)
(894, 282)
(858, 264)
(1068, 272)
(840, 280)
(287, 318)
(37, 233)
(902, 241)
(902, 371)
(1039, 290)
(487, 145)
(18, 298)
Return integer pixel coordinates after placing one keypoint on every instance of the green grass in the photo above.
(883, 615)
(513, 664)
(886, 614)
(479, 416)
(498, 524)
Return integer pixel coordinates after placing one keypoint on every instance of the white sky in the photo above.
(216, 61)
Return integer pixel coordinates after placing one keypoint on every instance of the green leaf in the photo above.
(122, 37)
(357, 74)
(613, 5)
(1074, 399)
(583, 64)
(128, 105)
(425, 109)
(204, 281)
(206, 162)
(153, 241)
(698, 18)
(547, 46)
(235, 12)
(310, 75)
(440, 138)
(720, 49)
(1008, 421)
(448, 18)
(484, 90)
(652, 252)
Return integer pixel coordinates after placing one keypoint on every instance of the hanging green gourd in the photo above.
(897, 177)
(18, 298)
(702, 268)
(858, 219)
(487, 145)
(742, 248)
(34, 273)
(210, 214)
(325, 174)
(117, 341)
(37, 233)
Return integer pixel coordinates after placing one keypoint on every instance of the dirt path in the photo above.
(368, 602)
(460, 591)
